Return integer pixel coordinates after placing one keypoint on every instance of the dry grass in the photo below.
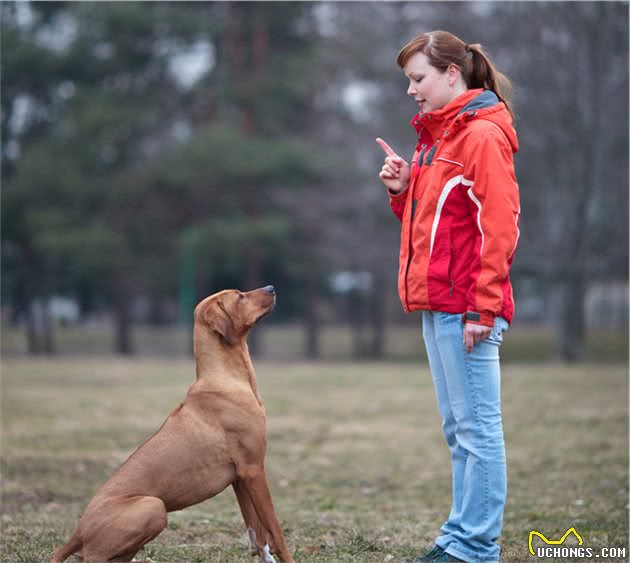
(356, 461)
(286, 342)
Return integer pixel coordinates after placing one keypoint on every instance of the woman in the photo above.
(459, 206)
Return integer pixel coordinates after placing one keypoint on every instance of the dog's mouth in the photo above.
(273, 305)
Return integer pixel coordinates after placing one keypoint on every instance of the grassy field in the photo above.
(356, 460)
(286, 342)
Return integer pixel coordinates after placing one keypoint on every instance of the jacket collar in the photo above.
(436, 121)
(486, 99)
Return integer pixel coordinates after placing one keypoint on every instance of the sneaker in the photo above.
(436, 555)
(446, 558)
(429, 556)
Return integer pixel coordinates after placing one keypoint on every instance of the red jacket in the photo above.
(460, 212)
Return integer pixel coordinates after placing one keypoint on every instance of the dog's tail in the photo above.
(67, 550)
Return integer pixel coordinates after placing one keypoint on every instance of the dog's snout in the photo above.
(270, 289)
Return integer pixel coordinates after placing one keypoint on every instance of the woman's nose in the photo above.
(411, 91)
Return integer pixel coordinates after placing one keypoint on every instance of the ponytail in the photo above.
(483, 74)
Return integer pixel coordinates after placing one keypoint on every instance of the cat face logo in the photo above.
(553, 542)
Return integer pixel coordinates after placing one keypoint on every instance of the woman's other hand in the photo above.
(474, 334)
(395, 171)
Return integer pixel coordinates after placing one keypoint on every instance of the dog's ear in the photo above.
(218, 320)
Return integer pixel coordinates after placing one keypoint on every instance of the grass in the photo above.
(357, 463)
(286, 342)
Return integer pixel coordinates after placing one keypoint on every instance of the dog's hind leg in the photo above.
(117, 530)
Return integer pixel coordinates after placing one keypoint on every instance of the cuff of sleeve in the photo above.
(395, 195)
(474, 317)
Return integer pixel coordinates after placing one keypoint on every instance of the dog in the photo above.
(215, 438)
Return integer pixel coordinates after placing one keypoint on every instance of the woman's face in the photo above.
(431, 88)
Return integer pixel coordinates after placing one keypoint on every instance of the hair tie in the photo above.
(467, 48)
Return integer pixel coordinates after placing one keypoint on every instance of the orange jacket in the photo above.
(460, 211)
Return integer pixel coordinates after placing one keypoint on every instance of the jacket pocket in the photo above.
(440, 259)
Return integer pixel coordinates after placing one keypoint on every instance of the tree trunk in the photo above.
(257, 47)
(355, 317)
(122, 323)
(32, 341)
(48, 330)
(35, 327)
(39, 328)
(253, 280)
(311, 322)
(585, 186)
(571, 340)
(377, 317)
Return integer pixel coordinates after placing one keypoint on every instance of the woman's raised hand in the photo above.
(395, 171)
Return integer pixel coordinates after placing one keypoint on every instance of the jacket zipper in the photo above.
(409, 246)
(432, 151)
(420, 163)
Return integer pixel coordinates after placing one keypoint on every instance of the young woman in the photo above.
(459, 207)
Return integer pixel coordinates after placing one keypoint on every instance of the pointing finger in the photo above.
(389, 151)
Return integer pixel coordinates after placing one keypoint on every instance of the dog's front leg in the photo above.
(255, 485)
(259, 536)
(264, 552)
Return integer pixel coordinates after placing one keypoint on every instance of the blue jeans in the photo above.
(467, 387)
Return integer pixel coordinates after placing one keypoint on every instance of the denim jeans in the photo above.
(467, 387)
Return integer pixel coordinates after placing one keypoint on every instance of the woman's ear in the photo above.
(453, 72)
(218, 320)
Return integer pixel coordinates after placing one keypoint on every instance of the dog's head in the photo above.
(231, 313)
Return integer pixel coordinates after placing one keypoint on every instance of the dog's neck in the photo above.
(212, 354)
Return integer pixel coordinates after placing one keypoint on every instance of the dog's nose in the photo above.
(270, 289)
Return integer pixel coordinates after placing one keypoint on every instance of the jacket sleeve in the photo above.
(494, 204)
(397, 201)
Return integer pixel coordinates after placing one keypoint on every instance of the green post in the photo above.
(188, 270)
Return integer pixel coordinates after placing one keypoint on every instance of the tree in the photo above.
(574, 157)
(103, 101)
(230, 142)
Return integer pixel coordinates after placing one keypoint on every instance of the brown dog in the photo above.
(215, 438)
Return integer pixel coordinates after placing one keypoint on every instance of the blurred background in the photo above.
(154, 153)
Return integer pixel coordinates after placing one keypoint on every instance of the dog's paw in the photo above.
(264, 552)
(266, 555)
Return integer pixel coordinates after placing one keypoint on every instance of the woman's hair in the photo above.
(443, 49)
